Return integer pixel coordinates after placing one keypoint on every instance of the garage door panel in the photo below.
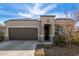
(23, 33)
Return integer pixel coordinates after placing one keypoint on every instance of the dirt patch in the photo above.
(53, 50)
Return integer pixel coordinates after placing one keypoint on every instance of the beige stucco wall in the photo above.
(67, 24)
(22, 23)
(47, 20)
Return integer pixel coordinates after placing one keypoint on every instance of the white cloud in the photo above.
(58, 14)
(25, 15)
(30, 12)
(37, 5)
(49, 7)
(37, 11)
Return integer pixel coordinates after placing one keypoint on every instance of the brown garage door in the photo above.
(23, 33)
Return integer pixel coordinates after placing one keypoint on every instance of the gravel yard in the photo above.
(53, 50)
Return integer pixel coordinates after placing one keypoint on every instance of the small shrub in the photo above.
(40, 52)
(2, 37)
(59, 40)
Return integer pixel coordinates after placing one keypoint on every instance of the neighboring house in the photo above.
(34, 29)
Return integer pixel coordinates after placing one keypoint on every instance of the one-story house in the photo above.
(33, 29)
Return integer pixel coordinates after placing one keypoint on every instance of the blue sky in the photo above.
(33, 10)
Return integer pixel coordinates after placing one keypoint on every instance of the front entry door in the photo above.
(46, 32)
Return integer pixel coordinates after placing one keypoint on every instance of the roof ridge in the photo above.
(22, 19)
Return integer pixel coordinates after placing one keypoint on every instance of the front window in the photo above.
(58, 29)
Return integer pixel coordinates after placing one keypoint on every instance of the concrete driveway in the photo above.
(17, 48)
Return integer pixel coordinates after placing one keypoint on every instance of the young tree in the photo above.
(74, 14)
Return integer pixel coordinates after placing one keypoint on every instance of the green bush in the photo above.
(2, 37)
(59, 40)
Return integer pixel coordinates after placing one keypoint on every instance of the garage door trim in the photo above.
(23, 27)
